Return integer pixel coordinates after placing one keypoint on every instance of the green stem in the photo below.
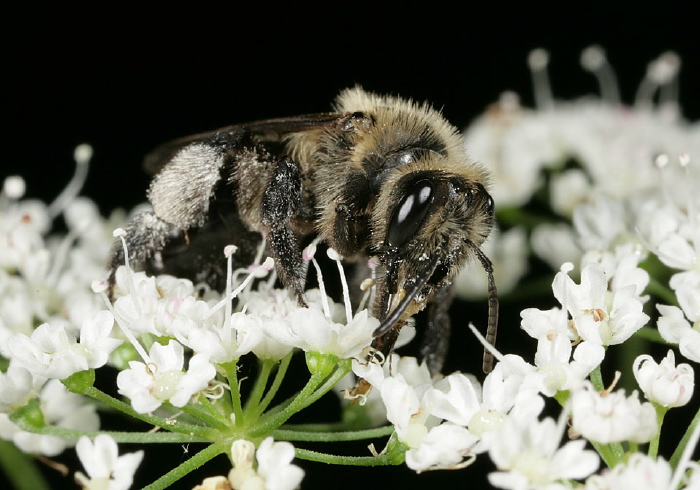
(618, 451)
(188, 466)
(343, 368)
(200, 412)
(315, 388)
(251, 405)
(119, 436)
(166, 424)
(231, 369)
(678, 453)
(276, 383)
(212, 410)
(272, 420)
(380, 460)
(19, 468)
(306, 433)
(607, 454)
(654, 443)
(597, 379)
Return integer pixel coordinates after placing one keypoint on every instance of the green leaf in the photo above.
(29, 415)
(80, 381)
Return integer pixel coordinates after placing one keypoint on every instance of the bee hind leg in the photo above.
(281, 200)
(146, 236)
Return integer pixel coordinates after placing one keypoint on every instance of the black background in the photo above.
(125, 79)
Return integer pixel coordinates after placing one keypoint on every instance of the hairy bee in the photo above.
(380, 177)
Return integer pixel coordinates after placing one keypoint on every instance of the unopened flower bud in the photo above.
(665, 383)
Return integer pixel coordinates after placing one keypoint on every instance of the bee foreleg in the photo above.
(433, 349)
(281, 200)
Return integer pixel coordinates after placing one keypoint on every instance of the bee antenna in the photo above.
(492, 326)
(396, 313)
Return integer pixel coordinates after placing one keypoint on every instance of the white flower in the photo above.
(162, 379)
(428, 419)
(554, 360)
(95, 343)
(456, 398)
(561, 369)
(53, 353)
(275, 465)
(105, 468)
(599, 222)
(156, 305)
(310, 330)
(180, 315)
(223, 343)
(568, 190)
(413, 372)
(620, 266)
(665, 384)
(48, 352)
(214, 483)
(431, 444)
(276, 305)
(687, 288)
(674, 328)
(517, 143)
(21, 232)
(17, 385)
(599, 315)
(661, 220)
(639, 471)
(527, 453)
(510, 382)
(60, 408)
(445, 446)
(611, 416)
(137, 309)
(243, 473)
(274, 471)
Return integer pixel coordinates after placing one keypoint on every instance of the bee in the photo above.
(379, 177)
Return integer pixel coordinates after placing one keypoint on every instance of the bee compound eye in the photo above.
(489, 204)
(409, 213)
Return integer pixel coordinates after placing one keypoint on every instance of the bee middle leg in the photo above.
(281, 200)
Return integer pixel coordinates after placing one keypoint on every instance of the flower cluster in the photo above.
(621, 238)
(619, 183)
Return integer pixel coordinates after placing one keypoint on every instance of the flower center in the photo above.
(532, 465)
(485, 421)
(165, 384)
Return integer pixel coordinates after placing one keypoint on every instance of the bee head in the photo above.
(435, 220)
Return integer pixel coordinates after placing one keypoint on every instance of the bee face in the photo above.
(428, 226)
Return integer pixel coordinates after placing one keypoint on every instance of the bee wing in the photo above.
(266, 131)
